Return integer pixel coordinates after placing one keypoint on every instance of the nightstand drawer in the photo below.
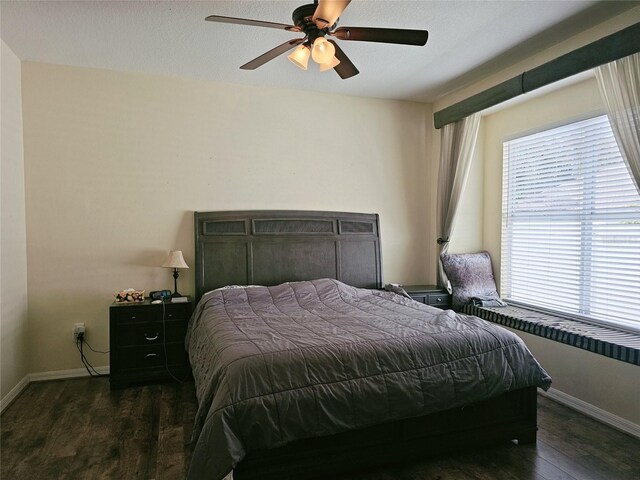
(149, 333)
(131, 314)
(439, 299)
(134, 358)
(432, 295)
(420, 297)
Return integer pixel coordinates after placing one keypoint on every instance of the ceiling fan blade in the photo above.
(345, 68)
(383, 35)
(253, 23)
(271, 54)
(328, 12)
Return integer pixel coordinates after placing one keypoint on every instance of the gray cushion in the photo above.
(470, 275)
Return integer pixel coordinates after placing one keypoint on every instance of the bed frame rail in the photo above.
(511, 416)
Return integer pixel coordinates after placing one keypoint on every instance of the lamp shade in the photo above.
(175, 260)
(330, 64)
(323, 51)
(300, 56)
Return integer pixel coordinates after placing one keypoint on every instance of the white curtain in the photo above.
(619, 84)
(458, 142)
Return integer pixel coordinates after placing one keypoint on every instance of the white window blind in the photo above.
(571, 224)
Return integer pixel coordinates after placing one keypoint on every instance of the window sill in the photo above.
(607, 341)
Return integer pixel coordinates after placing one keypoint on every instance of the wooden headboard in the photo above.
(268, 247)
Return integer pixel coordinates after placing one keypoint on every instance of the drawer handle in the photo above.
(151, 339)
(133, 317)
(150, 355)
(169, 315)
(439, 299)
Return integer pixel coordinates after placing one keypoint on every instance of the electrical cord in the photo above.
(87, 365)
(93, 349)
(90, 368)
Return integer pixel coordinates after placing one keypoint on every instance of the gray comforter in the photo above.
(306, 359)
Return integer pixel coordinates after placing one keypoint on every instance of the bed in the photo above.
(304, 368)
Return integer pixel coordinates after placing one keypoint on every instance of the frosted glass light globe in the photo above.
(323, 51)
(334, 62)
(300, 57)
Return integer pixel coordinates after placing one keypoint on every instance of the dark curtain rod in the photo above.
(612, 47)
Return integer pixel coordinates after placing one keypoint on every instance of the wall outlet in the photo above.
(78, 328)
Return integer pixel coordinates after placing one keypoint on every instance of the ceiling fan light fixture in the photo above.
(334, 62)
(300, 56)
(316, 21)
(323, 51)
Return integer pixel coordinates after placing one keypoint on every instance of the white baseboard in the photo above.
(61, 374)
(44, 376)
(592, 411)
(14, 392)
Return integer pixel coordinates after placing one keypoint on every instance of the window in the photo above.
(571, 225)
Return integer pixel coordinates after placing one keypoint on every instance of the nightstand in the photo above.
(429, 295)
(139, 336)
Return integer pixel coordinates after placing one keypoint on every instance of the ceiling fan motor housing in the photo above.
(303, 18)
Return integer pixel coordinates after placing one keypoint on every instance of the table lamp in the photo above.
(175, 260)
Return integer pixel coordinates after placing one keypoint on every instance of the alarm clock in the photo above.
(160, 294)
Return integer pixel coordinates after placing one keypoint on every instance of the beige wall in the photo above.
(116, 163)
(13, 263)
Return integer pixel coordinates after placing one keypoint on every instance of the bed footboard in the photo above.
(511, 416)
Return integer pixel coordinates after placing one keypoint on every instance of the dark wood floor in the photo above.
(78, 429)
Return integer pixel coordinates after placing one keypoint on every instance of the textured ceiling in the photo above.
(467, 40)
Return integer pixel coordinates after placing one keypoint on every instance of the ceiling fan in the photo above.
(318, 21)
